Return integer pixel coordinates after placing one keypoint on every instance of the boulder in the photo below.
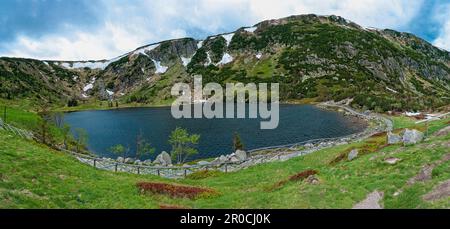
(120, 159)
(312, 179)
(223, 159)
(147, 162)
(129, 160)
(412, 137)
(234, 159)
(241, 155)
(138, 162)
(202, 163)
(393, 138)
(353, 154)
(392, 160)
(309, 145)
(163, 159)
(215, 161)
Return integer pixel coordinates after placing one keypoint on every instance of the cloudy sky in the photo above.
(102, 29)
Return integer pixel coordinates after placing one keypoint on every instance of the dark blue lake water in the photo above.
(297, 123)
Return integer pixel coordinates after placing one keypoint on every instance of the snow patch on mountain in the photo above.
(185, 61)
(251, 29)
(89, 64)
(144, 50)
(226, 58)
(258, 56)
(209, 59)
(90, 85)
(159, 68)
(391, 90)
(200, 44)
(228, 38)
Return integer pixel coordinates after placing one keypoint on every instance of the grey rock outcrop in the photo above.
(353, 154)
(241, 155)
(312, 180)
(120, 159)
(234, 159)
(163, 159)
(222, 159)
(129, 160)
(202, 163)
(147, 162)
(412, 137)
(393, 138)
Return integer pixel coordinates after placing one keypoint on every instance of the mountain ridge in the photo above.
(312, 56)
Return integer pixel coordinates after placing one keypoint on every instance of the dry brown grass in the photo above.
(174, 191)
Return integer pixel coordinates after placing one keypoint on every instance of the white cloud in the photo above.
(106, 43)
(128, 26)
(442, 17)
(443, 40)
(374, 13)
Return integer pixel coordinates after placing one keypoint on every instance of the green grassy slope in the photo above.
(34, 176)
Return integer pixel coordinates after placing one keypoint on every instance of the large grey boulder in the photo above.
(215, 161)
(147, 162)
(129, 160)
(163, 159)
(223, 159)
(241, 155)
(234, 159)
(412, 137)
(120, 159)
(353, 154)
(393, 138)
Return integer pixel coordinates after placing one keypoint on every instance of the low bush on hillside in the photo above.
(297, 177)
(202, 174)
(175, 191)
(166, 206)
(303, 175)
(375, 143)
(339, 158)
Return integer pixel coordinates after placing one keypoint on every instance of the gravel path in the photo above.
(439, 192)
(372, 201)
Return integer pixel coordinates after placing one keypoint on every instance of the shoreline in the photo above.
(255, 156)
(66, 109)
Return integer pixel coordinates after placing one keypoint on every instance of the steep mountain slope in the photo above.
(311, 56)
